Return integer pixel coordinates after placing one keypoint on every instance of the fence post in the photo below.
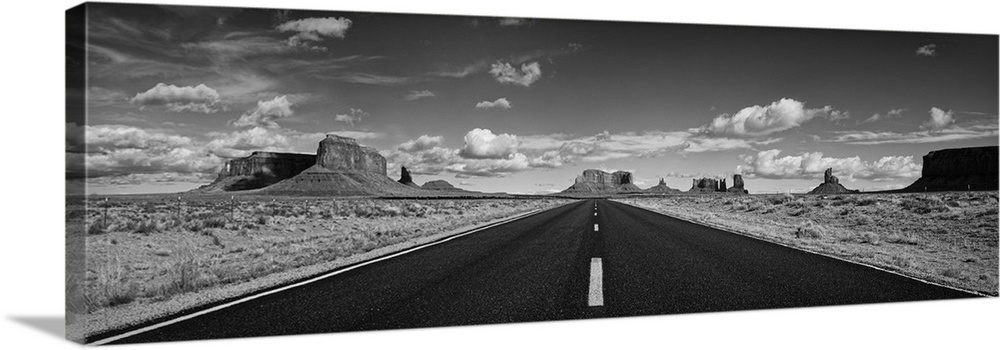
(232, 209)
(105, 220)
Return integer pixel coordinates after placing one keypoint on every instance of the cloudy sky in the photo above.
(521, 105)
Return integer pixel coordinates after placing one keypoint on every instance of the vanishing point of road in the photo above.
(588, 259)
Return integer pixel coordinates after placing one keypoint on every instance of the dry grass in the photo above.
(949, 238)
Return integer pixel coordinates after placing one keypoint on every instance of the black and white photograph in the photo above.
(242, 172)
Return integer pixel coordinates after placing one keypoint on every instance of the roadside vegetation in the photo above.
(145, 251)
(948, 238)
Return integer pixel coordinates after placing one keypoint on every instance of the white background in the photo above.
(32, 233)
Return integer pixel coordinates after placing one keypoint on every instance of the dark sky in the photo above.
(524, 105)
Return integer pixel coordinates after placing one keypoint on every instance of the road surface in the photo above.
(588, 259)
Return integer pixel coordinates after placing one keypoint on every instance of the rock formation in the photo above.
(958, 169)
(662, 188)
(340, 153)
(404, 178)
(597, 181)
(737, 185)
(704, 185)
(343, 168)
(831, 184)
(258, 170)
(440, 185)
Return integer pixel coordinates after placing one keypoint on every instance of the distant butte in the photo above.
(958, 169)
(597, 181)
(831, 184)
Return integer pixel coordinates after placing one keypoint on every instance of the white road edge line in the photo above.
(281, 289)
(596, 297)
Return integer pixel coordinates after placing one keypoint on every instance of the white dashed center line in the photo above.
(596, 297)
(595, 228)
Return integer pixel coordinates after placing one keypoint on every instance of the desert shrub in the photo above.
(96, 228)
(390, 210)
(76, 214)
(215, 239)
(753, 205)
(364, 211)
(845, 212)
(123, 295)
(923, 206)
(799, 203)
(862, 219)
(194, 225)
(216, 221)
(901, 261)
(867, 237)
(810, 229)
(261, 220)
(954, 203)
(780, 199)
(416, 209)
(146, 227)
(799, 211)
(865, 201)
(110, 286)
(950, 215)
(839, 201)
(903, 238)
(182, 277)
(951, 272)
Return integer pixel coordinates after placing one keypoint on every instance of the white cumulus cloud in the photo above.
(483, 144)
(759, 121)
(315, 29)
(266, 113)
(422, 143)
(500, 103)
(241, 143)
(504, 73)
(809, 165)
(200, 98)
(939, 119)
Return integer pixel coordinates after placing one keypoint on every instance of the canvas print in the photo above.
(245, 172)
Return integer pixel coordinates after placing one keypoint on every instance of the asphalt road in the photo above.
(565, 263)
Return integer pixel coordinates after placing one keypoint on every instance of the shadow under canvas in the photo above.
(53, 325)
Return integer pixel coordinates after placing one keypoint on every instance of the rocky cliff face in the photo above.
(405, 178)
(343, 168)
(958, 169)
(737, 185)
(831, 184)
(704, 185)
(340, 153)
(597, 181)
(259, 170)
(662, 188)
(440, 185)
